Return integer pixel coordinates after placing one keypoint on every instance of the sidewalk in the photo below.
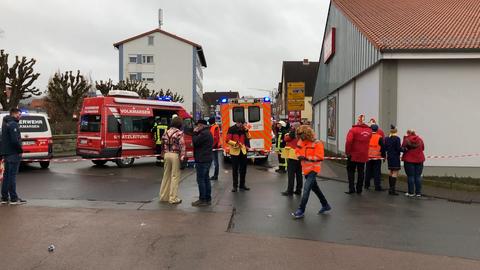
(335, 171)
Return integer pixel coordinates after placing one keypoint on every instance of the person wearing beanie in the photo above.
(356, 149)
(373, 121)
(215, 130)
(376, 153)
(202, 141)
(393, 150)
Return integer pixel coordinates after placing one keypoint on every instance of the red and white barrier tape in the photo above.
(65, 160)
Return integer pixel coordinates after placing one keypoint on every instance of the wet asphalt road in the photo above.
(430, 226)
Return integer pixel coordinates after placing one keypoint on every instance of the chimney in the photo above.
(305, 61)
(160, 18)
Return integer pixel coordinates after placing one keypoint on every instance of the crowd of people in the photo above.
(299, 154)
(367, 147)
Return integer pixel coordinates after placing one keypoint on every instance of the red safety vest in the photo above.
(374, 149)
(212, 130)
(313, 153)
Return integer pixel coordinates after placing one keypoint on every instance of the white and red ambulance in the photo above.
(36, 136)
(256, 114)
(120, 124)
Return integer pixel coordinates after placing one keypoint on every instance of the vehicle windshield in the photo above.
(90, 123)
(33, 123)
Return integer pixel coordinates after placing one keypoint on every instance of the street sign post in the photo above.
(295, 96)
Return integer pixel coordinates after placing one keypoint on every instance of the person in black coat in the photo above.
(202, 151)
(393, 149)
(11, 152)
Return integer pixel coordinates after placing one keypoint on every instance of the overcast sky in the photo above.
(244, 41)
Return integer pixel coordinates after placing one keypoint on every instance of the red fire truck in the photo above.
(120, 124)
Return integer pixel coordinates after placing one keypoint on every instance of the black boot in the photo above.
(392, 182)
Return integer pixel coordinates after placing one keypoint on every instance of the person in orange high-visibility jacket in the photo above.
(311, 153)
(215, 130)
(376, 153)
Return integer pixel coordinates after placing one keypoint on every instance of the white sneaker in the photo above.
(409, 195)
(18, 202)
(419, 195)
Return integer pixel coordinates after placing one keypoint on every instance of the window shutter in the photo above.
(139, 58)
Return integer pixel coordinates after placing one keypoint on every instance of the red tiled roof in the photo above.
(416, 24)
(157, 30)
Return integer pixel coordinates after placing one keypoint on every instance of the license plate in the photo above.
(28, 142)
(83, 141)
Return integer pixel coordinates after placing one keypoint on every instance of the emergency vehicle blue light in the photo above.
(224, 100)
(266, 99)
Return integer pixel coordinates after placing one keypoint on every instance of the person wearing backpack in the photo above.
(311, 153)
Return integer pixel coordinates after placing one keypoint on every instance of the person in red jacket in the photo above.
(413, 159)
(215, 130)
(356, 148)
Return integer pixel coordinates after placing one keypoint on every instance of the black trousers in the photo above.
(281, 162)
(158, 151)
(359, 167)
(294, 169)
(373, 170)
(239, 166)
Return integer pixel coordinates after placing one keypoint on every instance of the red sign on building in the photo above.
(294, 116)
(329, 45)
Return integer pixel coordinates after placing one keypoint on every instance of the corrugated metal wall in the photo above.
(353, 55)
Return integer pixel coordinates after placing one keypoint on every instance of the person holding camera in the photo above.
(238, 140)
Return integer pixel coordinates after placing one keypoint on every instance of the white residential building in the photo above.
(165, 61)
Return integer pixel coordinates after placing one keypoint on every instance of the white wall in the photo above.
(316, 117)
(173, 64)
(323, 120)
(367, 94)
(307, 113)
(440, 99)
(345, 113)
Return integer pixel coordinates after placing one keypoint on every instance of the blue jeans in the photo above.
(204, 187)
(414, 174)
(215, 163)
(311, 184)
(9, 184)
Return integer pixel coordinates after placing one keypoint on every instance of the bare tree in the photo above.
(133, 85)
(64, 97)
(19, 77)
(136, 86)
(104, 87)
(161, 93)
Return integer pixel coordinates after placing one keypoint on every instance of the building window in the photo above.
(147, 59)
(148, 77)
(253, 114)
(133, 76)
(132, 59)
(238, 114)
(150, 41)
